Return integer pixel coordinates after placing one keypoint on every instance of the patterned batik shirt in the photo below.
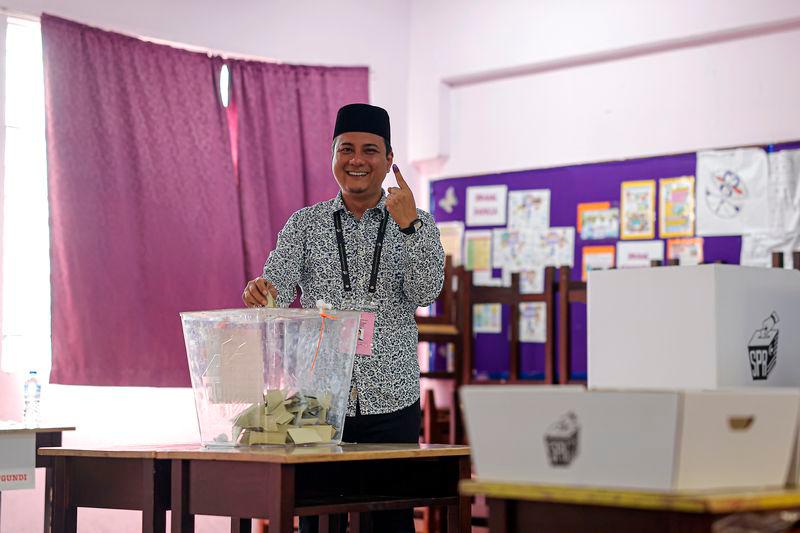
(410, 275)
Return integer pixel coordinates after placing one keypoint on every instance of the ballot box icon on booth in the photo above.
(269, 376)
(763, 348)
(561, 440)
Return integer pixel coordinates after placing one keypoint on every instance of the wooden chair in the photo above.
(777, 260)
(569, 292)
(510, 296)
(449, 326)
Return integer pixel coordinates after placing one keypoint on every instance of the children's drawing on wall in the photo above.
(512, 249)
(637, 200)
(533, 322)
(597, 258)
(757, 249)
(783, 191)
(635, 254)
(529, 209)
(686, 251)
(732, 192)
(597, 221)
(554, 246)
(676, 207)
(486, 318)
(532, 281)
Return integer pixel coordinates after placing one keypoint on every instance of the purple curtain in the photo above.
(286, 115)
(143, 204)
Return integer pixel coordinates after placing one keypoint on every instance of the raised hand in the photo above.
(400, 202)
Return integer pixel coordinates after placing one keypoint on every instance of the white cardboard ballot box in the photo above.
(650, 440)
(703, 327)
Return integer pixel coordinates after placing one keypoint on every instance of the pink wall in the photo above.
(517, 85)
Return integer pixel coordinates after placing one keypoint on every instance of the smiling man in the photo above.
(368, 251)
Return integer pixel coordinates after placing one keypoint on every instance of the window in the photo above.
(26, 232)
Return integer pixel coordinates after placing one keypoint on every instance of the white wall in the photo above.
(347, 32)
(518, 84)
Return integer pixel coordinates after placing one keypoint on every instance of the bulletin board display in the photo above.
(568, 187)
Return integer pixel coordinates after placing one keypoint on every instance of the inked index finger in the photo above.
(400, 180)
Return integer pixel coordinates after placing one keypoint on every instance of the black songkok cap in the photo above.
(363, 117)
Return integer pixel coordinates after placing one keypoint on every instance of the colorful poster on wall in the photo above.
(532, 322)
(486, 206)
(554, 247)
(597, 258)
(732, 192)
(676, 207)
(486, 318)
(478, 250)
(598, 220)
(452, 234)
(531, 281)
(529, 209)
(638, 204)
(635, 254)
(686, 251)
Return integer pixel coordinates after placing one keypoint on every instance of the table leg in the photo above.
(459, 517)
(65, 516)
(281, 508)
(332, 523)
(182, 521)
(241, 525)
(360, 523)
(498, 515)
(154, 503)
(48, 499)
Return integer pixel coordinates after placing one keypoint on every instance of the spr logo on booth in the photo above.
(561, 440)
(763, 348)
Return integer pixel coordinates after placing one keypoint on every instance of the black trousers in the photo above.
(399, 426)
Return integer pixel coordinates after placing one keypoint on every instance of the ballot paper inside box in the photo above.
(270, 376)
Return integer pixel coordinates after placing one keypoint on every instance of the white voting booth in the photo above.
(694, 378)
(651, 440)
(705, 327)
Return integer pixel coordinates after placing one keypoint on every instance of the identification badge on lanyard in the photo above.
(366, 326)
(366, 330)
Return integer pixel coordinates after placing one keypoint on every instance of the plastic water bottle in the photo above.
(33, 393)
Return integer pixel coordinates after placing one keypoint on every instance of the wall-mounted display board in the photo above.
(636, 206)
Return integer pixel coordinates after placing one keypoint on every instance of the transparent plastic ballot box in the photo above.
(270, 376)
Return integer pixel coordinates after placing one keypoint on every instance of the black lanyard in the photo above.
(376, 255)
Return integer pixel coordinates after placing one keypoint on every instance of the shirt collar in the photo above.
(338, 203)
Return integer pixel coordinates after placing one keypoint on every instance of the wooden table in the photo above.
(541, 508)
(45, 436)
(275, 483)
(128, 477)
